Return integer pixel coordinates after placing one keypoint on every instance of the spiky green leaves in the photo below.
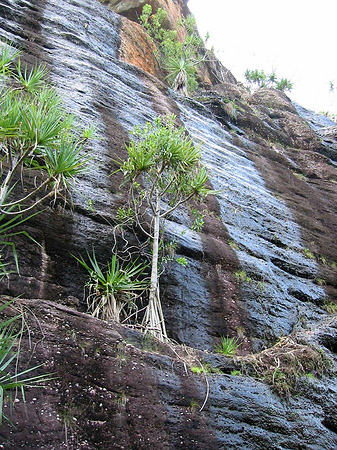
(8, 53)
(10, 378)
(227, 346)
(112, 289)
(168, 159)
(9, 228)
(181, 72)
(258, 79)
(166, 154)
(35, 129)
(31, 80)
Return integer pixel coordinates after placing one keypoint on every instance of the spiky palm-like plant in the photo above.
(10, 379)
(227, 346)
(35, 133)
(112, 291)
(181, 71)
(170, 166)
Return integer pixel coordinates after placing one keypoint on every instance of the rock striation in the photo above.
(263, 267)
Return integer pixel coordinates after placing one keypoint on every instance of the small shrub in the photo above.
(308, 253)
(125, 216)
(205, 368)
(310, 376)
(242, 277)
(194, 405)
(282, 365)
(198, 369)
(90, 205)
(261, 285)
(198, 221)
(330, 307)
(227, 346)
(233, 244)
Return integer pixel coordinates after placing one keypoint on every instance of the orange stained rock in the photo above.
(174, 16)
(137, 48)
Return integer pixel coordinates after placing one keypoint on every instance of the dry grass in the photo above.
(282, 365)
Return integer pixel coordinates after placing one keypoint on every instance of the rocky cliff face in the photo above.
(263, 267)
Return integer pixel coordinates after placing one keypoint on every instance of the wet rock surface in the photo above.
(263, 266)
(325, 128)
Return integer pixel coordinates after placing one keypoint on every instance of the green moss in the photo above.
(308, 253)
(233, 244)
(242, 277)
(205, 368)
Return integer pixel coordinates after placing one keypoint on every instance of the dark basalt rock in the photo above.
(248, 273)
(116, 390)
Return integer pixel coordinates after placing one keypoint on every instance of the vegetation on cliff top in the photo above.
(258, 78)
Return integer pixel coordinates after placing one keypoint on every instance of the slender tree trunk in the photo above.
(6, 182)
(154, 319)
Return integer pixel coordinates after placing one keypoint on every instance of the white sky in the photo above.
(296, 38)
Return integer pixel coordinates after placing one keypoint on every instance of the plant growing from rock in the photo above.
(282, 365)
(35, 135)
(165, 160)
(40, 149)
(40, 146)
(258, 78)
(12, 380)
(112, 291)
(329, 306)
(8, 230)
(227, 346)
(198, 221)
(179, 59)
(205, 368)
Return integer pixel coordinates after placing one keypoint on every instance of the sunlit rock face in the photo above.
(132, 9)
(262, 267)
(137, 48)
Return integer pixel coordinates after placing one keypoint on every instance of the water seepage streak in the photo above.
(278, 288)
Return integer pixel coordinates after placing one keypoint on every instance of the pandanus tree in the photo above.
(164, 171)
(40, 154)
(40, 144)
(35, 134)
